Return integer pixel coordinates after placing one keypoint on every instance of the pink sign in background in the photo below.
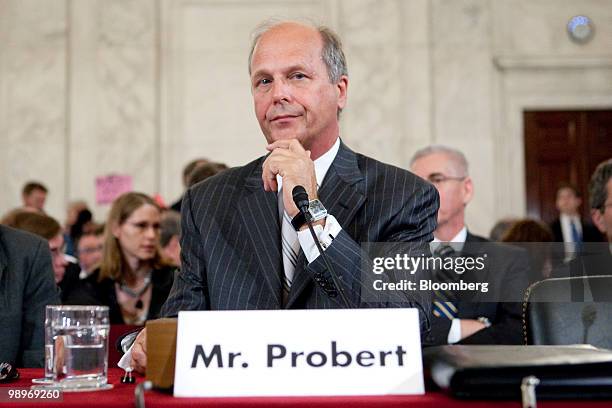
(111, 186)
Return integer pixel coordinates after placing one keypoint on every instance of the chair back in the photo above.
(553, 316)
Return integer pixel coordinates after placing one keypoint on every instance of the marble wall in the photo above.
(113, 95)
(140, 87)
(33, 99)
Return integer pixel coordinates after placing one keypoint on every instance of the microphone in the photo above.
(300, 198)
(589, 315)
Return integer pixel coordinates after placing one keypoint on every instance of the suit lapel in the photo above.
(342, 194)
(259, 212)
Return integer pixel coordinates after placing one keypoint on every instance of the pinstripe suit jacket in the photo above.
(231, 237)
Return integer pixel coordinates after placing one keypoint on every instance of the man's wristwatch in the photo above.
(485, 321)
(315, 209)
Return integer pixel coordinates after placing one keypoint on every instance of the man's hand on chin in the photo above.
(139, 352)
(289, 160)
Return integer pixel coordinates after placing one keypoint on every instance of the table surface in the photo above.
(122, 395)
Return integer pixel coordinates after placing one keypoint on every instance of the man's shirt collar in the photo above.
(456, 243)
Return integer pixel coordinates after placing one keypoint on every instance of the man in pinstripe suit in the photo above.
(233, 242)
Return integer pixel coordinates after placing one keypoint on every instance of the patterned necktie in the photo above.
(443, 304)
(290, 248)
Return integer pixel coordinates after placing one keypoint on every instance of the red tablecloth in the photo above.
(122, 395)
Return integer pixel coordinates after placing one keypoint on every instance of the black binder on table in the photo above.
(496, 372)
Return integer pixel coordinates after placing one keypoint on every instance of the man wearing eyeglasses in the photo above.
(461, 316)
(49, 229)
(65, 268)
(600, 194)
(596, 258)
(27, 287)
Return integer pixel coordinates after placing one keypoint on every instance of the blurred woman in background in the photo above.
(132, 278)
(536, 238)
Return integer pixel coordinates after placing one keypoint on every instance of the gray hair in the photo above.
(457, 156)
(170, 225)
(332, 53)
(598, 193)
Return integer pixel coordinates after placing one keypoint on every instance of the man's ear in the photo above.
(597, 217)
(468, 190)
(342, 90)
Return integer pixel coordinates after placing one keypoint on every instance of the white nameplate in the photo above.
(298, 352)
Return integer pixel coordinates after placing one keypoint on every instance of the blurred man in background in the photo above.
(33, 196)
(89, 250)
(203, 171)
(600, 192)
(569, 227)
(596, 258)
(66, 273)
(176, 206)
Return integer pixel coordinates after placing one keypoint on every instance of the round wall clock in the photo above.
(580, 29)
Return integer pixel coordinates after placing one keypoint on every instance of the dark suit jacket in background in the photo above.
(507, 270)
(90, 291)
(27, 285)
(231, 237)
(176, 206)
(70, 281)
(590, 233)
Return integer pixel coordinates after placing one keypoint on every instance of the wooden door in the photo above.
(563, 147)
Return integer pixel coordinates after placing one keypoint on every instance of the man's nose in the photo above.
(281, 91)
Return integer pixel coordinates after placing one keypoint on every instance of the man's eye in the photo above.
(299, 75)
(264, 81)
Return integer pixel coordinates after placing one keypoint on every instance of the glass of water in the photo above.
(76, 353)
(48, 379)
